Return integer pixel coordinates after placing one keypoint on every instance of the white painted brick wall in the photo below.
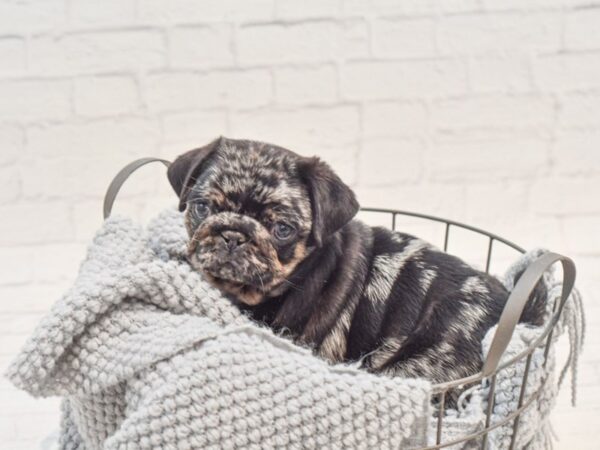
(484, 111)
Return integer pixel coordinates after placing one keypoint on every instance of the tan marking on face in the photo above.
(250, 296)
(299, 255)
(279, 286)
(245, 294)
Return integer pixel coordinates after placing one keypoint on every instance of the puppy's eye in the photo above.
(201, 209)
(283, 231)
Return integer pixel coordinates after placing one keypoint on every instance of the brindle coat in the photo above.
(275, 230)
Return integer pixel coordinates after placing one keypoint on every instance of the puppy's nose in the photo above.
(233, 238)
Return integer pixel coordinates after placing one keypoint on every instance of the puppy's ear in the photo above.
(184, 171)
(333, 202)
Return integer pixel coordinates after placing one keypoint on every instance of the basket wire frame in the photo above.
(544, 340)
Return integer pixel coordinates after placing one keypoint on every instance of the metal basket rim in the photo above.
(451, 222)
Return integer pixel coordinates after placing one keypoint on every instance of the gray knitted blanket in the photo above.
(147, 355)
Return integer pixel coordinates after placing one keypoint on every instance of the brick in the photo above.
(62, 178)
(8, 350)
(587, 279)
(356, 7)
(87, 214)
(145, 207)
(298, 86)
(18, 400)
(110, 139)
(12, 139)
(204, 47)
(30, 297)
(47, 55)
(409, 7)
(527, 231)
(575, 421)
(493, 6)
(576, 152)
(509, 73)
(565, 196)
(355, 40)
(17, 265)
(12, 55)
(331, 133)
(162, 199)
(30, 100)
(10, 185)
(26, 444)
(497, 203)
(291, 9)
(68, 154)
(465, 158)
(385, 161)
(104, 96)
(582, 237)
(484, 34)
(187, 11)
(8, 429)
(404, 38)
(107, 12)
(581, 29)
(184, 131)
(567, 71)
(303, 42)
(165, 92)
(314, 128)
(517, 112)
(236, 89)
(32, 16)
(55, 263)
(429, 198)
(407, 79)
(34, 223)
(343, 158)
(387, 119)
(99, 52)
(580, 110)
(46, 417)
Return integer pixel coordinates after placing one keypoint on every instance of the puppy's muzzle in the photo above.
(233, 239)
(236, 252)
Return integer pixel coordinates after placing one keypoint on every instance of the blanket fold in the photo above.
(147, 355)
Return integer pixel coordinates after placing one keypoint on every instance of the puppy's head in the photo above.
(254, 211)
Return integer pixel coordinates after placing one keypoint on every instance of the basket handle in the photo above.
(517, 300)
(121, 177)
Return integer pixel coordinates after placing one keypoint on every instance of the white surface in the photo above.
(483, 111)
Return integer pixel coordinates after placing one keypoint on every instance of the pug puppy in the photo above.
(275, 231)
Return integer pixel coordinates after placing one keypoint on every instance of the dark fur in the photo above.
(349, 291)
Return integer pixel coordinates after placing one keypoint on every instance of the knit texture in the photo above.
(146, 355)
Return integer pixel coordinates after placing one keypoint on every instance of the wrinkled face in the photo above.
(248, 213)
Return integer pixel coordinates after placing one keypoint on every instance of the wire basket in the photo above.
(506, 325)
